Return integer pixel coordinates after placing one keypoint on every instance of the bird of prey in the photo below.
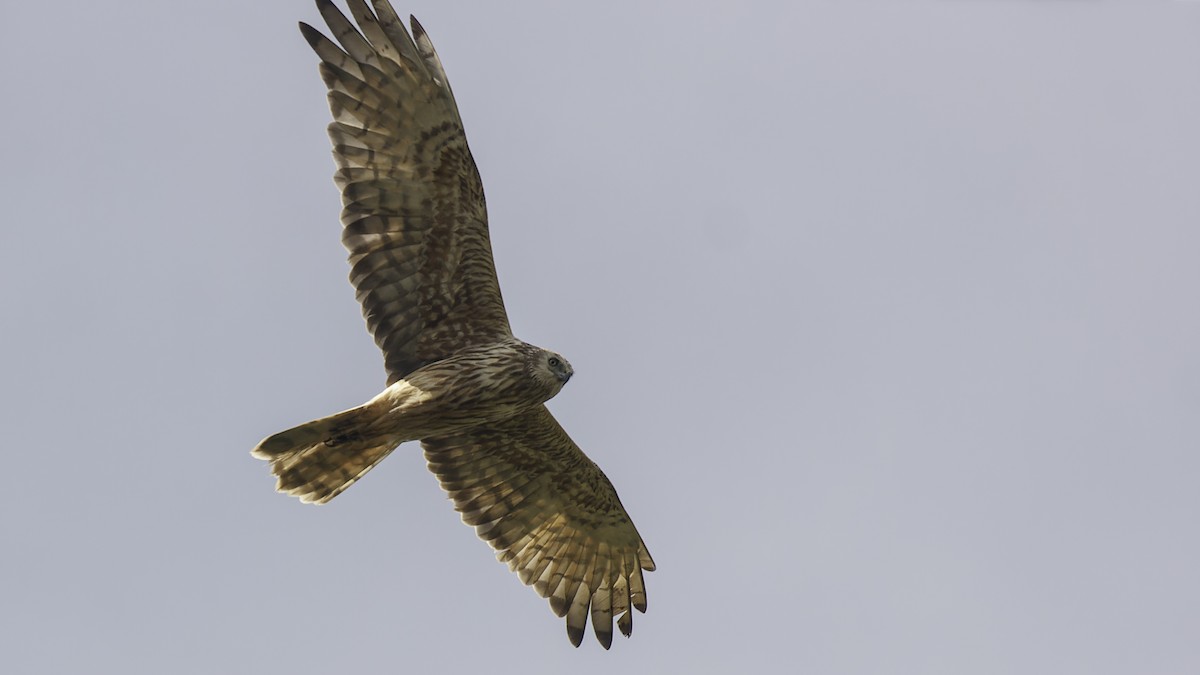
(415, 223)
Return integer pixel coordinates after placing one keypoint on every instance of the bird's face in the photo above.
(547, 371)
(558, 367)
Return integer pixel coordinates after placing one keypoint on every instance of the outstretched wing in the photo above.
(551, 514)
(413, 208)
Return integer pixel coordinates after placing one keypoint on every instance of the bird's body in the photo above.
(415, 222)
(318, 460)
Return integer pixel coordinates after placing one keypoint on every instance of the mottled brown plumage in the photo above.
(415, 223)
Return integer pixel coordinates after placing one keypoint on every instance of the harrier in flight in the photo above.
(415, 223)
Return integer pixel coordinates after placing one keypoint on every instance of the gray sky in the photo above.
(884, 318)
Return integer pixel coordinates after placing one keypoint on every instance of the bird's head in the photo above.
(558, 366)
(548, 370)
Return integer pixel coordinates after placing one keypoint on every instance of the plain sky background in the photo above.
(884, 316)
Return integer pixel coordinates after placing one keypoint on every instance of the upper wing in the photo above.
(551, 514)
(413, 209)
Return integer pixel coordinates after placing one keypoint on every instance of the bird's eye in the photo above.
(554, 362)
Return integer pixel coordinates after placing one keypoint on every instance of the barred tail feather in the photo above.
(316, 461)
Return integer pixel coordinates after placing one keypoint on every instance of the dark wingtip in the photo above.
(417, 28)
(311, 35)
(625, 623)
(558, 606)
(638, 600)
(605, 638)
(575, 635)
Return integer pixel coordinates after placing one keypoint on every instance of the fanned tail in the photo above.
(316, 461)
